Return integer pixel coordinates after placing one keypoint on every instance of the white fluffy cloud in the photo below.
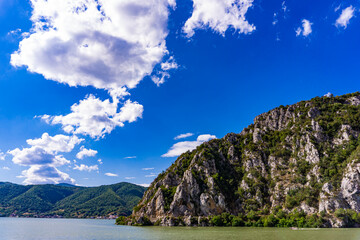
(95, 117)
(107, 44)
(184, 135)
(43, 158)
(6, 168)
(37, 156)
(345, 17)
(178, 148)
(305, 29)
(219, 15)
(58, 143)
(111, 174)
(40, 174)
(84, 152)
(84, 167)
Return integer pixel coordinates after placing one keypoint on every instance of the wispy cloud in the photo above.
(284, 7)
(178, 148)
(184, 135)
(129, 178)
(5, 168)
(131, 157)
(111, 174)
(147, 169)
(151, 175)
(2, 156)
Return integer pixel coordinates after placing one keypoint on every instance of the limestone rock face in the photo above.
(350, 186)
(304, 157)
(354, 100)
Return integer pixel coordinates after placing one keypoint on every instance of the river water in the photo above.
(88, 229)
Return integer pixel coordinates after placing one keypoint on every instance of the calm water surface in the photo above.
(86, 229)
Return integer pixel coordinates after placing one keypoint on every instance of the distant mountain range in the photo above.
(66, 200)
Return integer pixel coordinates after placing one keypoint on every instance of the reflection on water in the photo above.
(86, 229)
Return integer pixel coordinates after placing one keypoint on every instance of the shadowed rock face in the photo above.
(303, 157)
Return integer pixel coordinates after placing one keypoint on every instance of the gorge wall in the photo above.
(298, 161)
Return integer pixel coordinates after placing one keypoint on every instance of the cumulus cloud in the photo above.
(178, 148)
(43, 158)
(219, 15)
(107, 44)
(111, 174)
(345, 17)
(100, 161)
(305, 29)
(184, 135)
(58, 143)
(6, 168)
(40, 174)
(84, 152)
(84, 167)
(37, 156)
(94, 117)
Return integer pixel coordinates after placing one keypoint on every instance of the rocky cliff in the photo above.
(296, 165)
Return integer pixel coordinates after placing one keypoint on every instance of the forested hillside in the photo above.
(67, 200)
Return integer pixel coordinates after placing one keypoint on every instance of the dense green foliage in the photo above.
(280, 219)
(68, 200)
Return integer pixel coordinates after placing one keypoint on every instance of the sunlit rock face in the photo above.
(304, 157)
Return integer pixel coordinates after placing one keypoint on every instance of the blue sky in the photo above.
(119, 80)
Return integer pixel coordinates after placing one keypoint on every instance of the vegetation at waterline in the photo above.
(257, 219)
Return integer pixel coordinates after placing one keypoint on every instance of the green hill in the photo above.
(116, 199)
(68, 200)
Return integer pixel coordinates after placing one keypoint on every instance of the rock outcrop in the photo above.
(304, 157)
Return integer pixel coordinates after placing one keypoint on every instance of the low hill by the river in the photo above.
(68, 200)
